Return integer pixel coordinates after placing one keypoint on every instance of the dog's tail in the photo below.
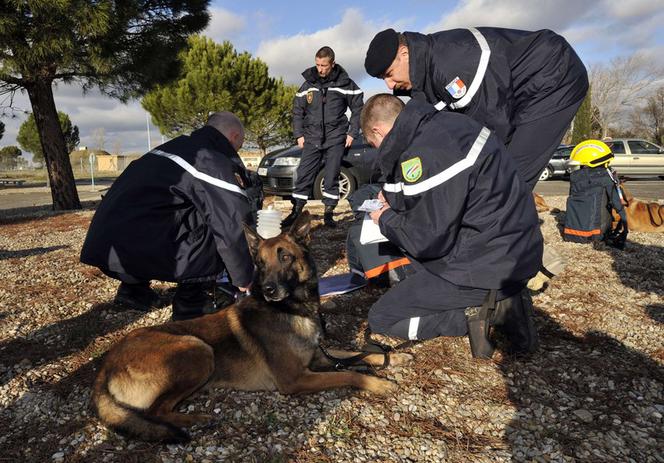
(131, 421)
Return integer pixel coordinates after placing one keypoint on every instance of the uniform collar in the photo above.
(215, 140)
(419, 50)
(338, 76)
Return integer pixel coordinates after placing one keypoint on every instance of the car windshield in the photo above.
(562, 152)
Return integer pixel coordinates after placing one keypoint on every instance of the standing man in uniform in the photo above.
(176, 215)
(524, 86)
(322, 130)
(454, 203)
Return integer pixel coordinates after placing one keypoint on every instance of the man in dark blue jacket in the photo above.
(524, 86)
(453, 202)
(176, 215)
(322, 129)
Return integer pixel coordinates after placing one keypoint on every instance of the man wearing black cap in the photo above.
(322, 129)
(524, 86)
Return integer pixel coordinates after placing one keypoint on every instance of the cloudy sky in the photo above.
(287, 34)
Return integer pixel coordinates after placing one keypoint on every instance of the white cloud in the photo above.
(224, 24)
(518, 14)
(625, 9)
(287, 57)
(598, 30)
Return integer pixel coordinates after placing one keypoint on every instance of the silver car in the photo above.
(557, 166)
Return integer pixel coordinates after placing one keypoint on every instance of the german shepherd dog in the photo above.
(267, 341)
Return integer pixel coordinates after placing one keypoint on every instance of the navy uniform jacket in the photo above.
(502, 78)
(457, 203)
(175, 214)
(319, 108)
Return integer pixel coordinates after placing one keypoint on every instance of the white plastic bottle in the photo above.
(269, 222)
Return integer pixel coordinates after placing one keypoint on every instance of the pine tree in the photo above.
(28, 136)
(122, 47)
(215, 77)
(583, 121)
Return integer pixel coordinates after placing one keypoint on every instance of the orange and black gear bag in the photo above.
(593, 194)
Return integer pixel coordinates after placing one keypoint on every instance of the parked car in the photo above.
(557, 166)
(278, 170)
(635, 157)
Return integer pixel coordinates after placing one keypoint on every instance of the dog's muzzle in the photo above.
(274, 293)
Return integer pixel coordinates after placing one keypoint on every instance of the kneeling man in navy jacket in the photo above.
(454, 204)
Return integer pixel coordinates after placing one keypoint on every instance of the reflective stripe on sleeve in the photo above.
(393, 187)
(345, 92)
(304, 92)
(298, 196)
(442, 177)
(479, 74)
(481, 70)
(200, 175)
(412, 328)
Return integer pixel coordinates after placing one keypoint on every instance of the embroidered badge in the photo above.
(310, 96)
(456, 88)
(411, 169)
(239, 180)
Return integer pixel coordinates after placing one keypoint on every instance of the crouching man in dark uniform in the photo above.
(176, 215)
(453, 202)
(322, 129)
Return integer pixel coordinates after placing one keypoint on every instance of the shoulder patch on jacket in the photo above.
(456, 88)
(310, 96)
(412, 169)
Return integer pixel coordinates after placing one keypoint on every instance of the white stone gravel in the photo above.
(593, 392)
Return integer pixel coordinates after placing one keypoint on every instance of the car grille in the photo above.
(283, 182)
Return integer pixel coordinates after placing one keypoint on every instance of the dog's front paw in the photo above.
(401, 359)
(378, 385)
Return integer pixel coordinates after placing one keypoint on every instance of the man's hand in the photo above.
(375, 215)
(300, 142)
(380, 197)
(244, 289)
(349, 140)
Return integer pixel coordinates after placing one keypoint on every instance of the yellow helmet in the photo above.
(591, 153)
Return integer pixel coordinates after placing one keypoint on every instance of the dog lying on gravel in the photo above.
(267, 341)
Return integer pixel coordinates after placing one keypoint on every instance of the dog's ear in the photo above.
(301, 228)
(253, 239)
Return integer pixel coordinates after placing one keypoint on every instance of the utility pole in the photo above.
(147, 120)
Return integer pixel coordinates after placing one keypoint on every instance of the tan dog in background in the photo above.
(642, 216)
(267, 341)
(540, 204)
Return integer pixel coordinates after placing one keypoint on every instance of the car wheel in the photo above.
(347, 184)
(546, 174)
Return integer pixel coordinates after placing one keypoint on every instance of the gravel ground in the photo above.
(592, 393)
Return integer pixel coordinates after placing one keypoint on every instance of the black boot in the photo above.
(137, 296)
(514, 317)
(479, 323)
(328, 219)
(298, 205)
(191, 300)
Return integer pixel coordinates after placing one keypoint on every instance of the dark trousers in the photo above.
(309, 167)
(533, 143)
(425, 306)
